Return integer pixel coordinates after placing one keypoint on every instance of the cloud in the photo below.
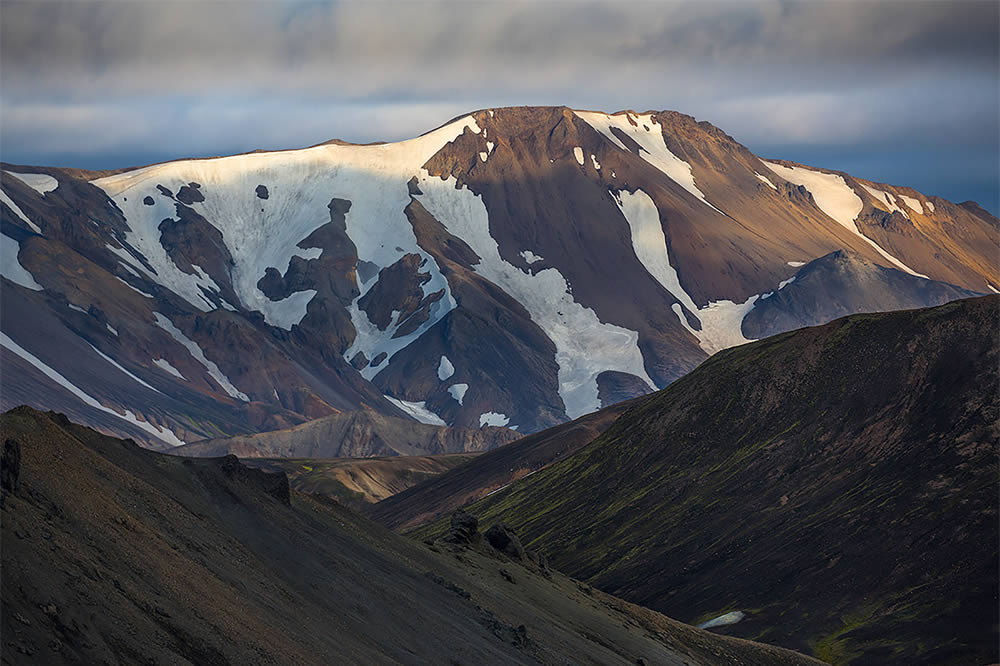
(132, 78)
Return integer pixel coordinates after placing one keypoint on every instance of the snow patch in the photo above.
(835, 198)
(723, 620)
(199, 355)
(912, 204)
(796, 264)
(418, 410)
(585, 346)
(493, 419)
(301, 184)
(650, 244)
(11, 268)
(164, 434)
(445, 368)
(483, 155)
(17, 211)
(578, 154)
(135, 289)
(489, 145)
(163, 364)
(597, 165)
(115, 363)
(457, 391)
(992, 288)
(654, 148)
(112, 330)
(39, 182)
(530, 257)
(784, 283)
(77, 308)
(886, 199)
(930, 206)
(764, 179)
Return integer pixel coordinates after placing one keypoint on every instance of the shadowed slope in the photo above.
(116, 554)
(838, 484)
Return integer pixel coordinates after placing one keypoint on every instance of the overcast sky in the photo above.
(900, 92)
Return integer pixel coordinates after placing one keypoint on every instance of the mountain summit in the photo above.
(515, 267)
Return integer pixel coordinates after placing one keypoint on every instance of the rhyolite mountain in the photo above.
(515, 267)
(837, 484)
(117, 554)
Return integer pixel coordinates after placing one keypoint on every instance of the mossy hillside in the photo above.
(842, 471)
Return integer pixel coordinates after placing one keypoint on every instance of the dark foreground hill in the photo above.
(116, 554)
(836, 484)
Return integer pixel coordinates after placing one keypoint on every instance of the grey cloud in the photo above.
(120, 78)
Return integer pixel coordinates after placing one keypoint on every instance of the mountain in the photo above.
(116, 554)
(515, 267)
(491, 471)
(358, 482)
(358, 434)
(838, 485)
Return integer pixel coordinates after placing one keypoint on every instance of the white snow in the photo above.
(650, 244)
(613, 173)
(11, 268)
(445, 368)
(723, 620)
(115, 363)
(164, 434)
(597, 165)
(418, 410)
(301, 184)
(784, 283)
(992, 288)
(578, 154)
(457, 391)
(721, 321)
(493, 419)
(886, 199)
(796, 264)
(17, 211)
(39, 182)
(199, 355)
(489, 145)
(912, 204)
(483, 155)
(835, 198)
(531, 257)
(135, 289)
(654, 148)
(585, 346)
(765, 180)
(930, 206)
(77, 308)
(164, 364)
(112, 330)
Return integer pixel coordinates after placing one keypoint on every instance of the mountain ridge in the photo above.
(502, 241)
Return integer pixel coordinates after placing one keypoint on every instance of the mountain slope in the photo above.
(353, 435)
(837, 484)
(491, 471)
(358, 482)
(117, 554)
(519, 266)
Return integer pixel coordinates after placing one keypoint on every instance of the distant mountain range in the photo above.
(515, 267)
(836, 486)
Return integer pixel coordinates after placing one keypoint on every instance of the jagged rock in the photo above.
(501, 537)
(10, 466)
(464, 528)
